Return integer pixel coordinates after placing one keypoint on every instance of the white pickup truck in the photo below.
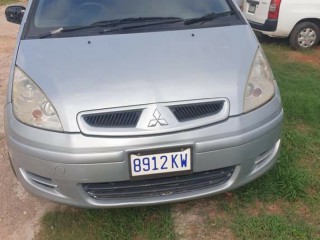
(297, 19)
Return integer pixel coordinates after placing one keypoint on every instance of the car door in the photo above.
(256, 10)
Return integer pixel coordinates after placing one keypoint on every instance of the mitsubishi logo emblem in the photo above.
(157, 120)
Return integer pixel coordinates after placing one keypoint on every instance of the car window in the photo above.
(62, 13)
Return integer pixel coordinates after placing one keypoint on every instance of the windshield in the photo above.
(50, 14)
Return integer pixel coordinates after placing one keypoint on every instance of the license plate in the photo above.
(158, 163)
(252, 8)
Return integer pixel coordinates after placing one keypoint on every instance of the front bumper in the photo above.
(270, 25)
(55, 165)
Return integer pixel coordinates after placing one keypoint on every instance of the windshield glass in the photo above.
(51, 14)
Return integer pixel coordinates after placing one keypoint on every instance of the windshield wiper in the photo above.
(208, 17)
(64, 29)
(132, 20)
(107, 30)
(114, 23)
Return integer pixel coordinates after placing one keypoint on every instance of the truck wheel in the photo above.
(305, 35)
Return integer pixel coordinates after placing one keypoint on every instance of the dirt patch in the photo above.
(308, 162)
(303, 128)
(201, 219)
(304, 211)
(276, 208)
(312, 57)
(19, 211)
(310, 213)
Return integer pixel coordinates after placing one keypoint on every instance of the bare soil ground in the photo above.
(19, 211)
(313, 59)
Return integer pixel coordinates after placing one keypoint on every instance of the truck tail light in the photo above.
(274, 9)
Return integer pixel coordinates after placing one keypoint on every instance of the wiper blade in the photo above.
(64, 29)
(208, 17)
(114, 23)
(140, 25)
(132, 20)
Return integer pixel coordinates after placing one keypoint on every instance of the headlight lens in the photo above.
(31, 106)
(260, 87)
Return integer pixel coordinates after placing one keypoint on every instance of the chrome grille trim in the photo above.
(189, 112)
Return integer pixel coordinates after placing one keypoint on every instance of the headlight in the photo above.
(31, 106)
(260, 87)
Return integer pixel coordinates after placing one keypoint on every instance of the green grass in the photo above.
(294, 184)
(300, 90)
(283, 204)
(266, 227)
(6, 2)
(134, 223)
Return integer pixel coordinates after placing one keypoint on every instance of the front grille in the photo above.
(123, 119)
(195, 111)
(158, 187)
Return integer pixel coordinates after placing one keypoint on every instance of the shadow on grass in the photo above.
(270, 40)
(128, 223)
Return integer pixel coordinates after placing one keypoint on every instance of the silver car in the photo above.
(138, 102)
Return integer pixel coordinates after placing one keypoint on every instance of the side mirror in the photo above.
(15, 14)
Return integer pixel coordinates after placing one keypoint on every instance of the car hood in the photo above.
(99, 72)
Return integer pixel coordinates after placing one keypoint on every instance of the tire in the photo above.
(305, 35)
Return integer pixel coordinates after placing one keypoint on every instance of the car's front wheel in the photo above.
(305, 35)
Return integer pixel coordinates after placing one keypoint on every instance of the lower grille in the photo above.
(158, 187)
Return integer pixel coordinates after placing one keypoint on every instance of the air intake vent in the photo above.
(46, 182)
(124, 119)
(158, 187)
(195, 111)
